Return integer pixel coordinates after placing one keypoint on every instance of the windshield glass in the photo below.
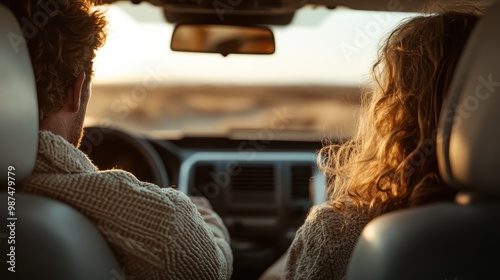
(308, 89)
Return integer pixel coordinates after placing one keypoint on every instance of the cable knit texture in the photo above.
(323, 244)
(156, 233)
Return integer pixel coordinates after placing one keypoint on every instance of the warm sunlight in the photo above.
(326, 47)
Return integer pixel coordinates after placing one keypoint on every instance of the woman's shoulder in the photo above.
(335, 230)
(333, 221)
(324, 243)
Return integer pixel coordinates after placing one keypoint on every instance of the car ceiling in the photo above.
(373, 5)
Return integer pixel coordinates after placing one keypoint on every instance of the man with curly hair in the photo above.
(156, 233)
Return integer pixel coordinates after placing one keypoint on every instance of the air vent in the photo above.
(301, 177)
(254, 179)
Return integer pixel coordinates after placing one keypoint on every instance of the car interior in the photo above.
(231, 100)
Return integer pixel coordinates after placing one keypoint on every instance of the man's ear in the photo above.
(75, 93)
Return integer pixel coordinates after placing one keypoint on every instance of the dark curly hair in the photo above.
(62, 37)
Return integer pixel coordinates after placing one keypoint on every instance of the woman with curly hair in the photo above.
(390, 163)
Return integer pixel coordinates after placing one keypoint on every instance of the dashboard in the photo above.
(262, 189)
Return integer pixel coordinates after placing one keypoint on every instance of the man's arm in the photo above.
(217, 227)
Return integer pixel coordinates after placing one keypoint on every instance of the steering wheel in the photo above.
(111, 148)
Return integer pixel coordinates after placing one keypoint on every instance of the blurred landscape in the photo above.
(306, 113)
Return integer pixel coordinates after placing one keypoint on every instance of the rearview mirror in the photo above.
(223, 39)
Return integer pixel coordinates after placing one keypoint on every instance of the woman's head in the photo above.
(390, 163)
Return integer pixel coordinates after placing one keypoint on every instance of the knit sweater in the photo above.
(323, 244)
(156, 233)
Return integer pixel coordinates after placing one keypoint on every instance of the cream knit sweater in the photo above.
(156, 233)
(323, 244)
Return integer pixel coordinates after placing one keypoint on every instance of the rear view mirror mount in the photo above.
(223, 39)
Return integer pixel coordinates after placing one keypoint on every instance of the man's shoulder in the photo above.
(109, 185)
(127, 181)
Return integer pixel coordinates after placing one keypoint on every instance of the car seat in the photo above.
(460, 240)
(40, 238)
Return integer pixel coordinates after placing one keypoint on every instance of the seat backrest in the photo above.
(53, 241)
(451, 240)
(40, 238)
(18, 103)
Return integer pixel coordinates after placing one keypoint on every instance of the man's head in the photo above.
(62, 37)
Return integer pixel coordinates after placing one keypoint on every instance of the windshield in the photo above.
(309, 89)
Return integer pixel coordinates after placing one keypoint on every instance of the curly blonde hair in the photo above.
(62, 37)
(390, 163)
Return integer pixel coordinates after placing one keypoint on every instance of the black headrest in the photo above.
(469, 140)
